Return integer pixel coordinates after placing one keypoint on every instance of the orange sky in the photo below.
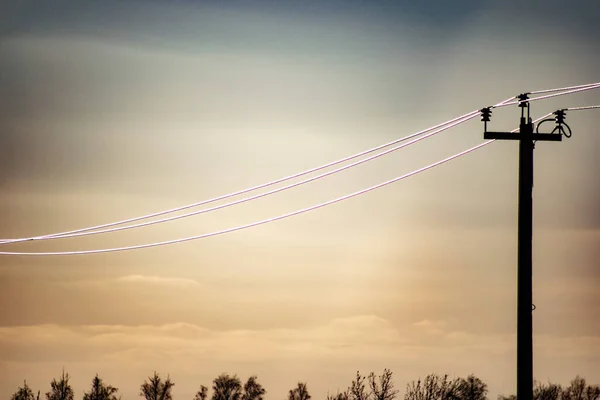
(107, 116)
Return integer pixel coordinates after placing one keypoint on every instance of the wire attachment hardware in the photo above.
(559, 119)
(523, 97)
(486, 115)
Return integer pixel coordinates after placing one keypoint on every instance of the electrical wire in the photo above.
(169, 211)
(75, 232)
(581, 108)
(144, 224)
(592, 86)
(564, 88)
(264, 221)
(304, 210)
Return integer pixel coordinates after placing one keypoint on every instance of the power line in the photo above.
(548, 96)
(144, 224)
(452, 122)
(262, 222)
(564, 88)
(304, 210)
(72, 233)
(581, 108)
(169, 211)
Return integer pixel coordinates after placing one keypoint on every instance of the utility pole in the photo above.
(527, 138)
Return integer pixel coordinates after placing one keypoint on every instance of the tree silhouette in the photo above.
(472, 388)
(253, 390)
(433, 387)
(300, 392)
(100, 391)
(23, 393)
(580, 390)
(345, 395)
(60, 390)
(546, 392)
(358, 389)
(227, 387)
(577, 390)
(157, 389)
(202, 393)
(383, 387)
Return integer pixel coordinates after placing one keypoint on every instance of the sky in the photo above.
(113, 109)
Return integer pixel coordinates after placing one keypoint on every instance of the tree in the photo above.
(382, 388)
(472, 388)
(580, 390)
(227, 387)
(253, 390)
(61, 389)
(433, 387)
(23, 393)
(100, 391)
(592, 392)
(357, 389)
(577, 390)
(157, 389)
(300, 392)
(546, 392)
(345, 395)
(202, 394)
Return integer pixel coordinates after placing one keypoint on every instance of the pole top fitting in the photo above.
(523, 97)
(486, 114)
(560, 116)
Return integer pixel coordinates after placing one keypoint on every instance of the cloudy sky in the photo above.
(112, 109)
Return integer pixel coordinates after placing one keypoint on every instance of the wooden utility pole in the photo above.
(527, 139)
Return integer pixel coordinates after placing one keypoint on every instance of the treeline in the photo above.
(362, 387)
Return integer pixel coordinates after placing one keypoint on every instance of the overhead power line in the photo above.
(548, 96)
(262, 222)
(76, 232)
(281, 189)
(206, 235)
(563, 89)
(581, 108)
(446, 125)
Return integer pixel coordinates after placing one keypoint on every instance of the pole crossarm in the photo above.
(550, 137)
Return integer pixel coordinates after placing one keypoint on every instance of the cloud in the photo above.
(159, 280)
(343, 337)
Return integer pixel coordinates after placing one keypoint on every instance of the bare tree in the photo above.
(100, 391)
(23, 393)
(300, 392)
(61, 389)
(472, 388)
(227, 387)
(202, 393)
(577, 390)
(382, 388)
(433, 387)
(546, 392)
(580, 390)
(358, 389)
(345, 395)
(253, 390)
(157, 389)
(592, 392)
